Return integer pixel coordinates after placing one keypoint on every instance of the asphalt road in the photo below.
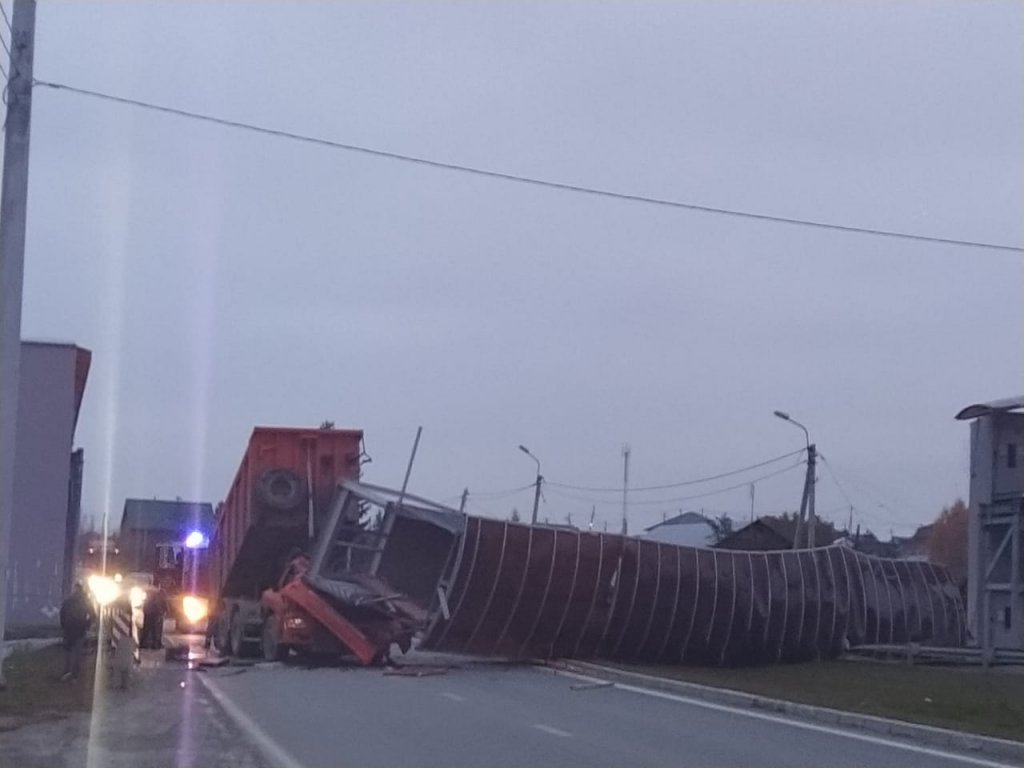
(495, 715)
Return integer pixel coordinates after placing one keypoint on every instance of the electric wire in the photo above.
(681, 483)
(7, 20)
(706, 494)
(563, 186)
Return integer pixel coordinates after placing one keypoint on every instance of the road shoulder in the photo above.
(937, 737)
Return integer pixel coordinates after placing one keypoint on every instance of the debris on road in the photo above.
(591, 686)
(416, 670)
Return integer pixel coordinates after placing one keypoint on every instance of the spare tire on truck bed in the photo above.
(281, 489)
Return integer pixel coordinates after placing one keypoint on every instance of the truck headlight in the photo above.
(194, 608)
(104, 589)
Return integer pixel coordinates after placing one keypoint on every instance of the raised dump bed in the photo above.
(280, 494)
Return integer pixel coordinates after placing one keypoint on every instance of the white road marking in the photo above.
(831, 730)
(453, 696)
(270, 748)
(552, 731)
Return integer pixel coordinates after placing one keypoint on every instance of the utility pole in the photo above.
(465, 495)
(536, 489)
(625, 488)
(805, 504)
(13, 206)
(752, 487)
(593, 511)
(812, 521)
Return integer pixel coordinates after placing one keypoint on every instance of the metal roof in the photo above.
(685, 518)
(986, 409)
(162, 515)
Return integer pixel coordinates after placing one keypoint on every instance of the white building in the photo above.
(687, 529)
(995, 582)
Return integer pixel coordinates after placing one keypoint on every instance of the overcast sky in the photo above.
(224, 279)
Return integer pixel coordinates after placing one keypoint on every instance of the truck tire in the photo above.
(281, 489)
(238, 647)
(273, 649)
(222, 631)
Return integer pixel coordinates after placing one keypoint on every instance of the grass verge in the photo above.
(34, 688)
(987, 702)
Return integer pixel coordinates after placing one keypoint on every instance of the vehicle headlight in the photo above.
(137, 596)
(104, 589)
(194, 608)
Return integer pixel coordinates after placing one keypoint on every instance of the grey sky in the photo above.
(225, 279)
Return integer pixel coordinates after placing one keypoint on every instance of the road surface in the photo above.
(491, 714)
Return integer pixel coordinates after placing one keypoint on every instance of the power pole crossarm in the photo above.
(13, 200)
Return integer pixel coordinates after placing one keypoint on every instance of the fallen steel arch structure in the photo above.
(524, 591)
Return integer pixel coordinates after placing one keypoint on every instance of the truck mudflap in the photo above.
(525, 591)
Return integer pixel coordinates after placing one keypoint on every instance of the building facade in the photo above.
(149, 523)
(47, 482)
(995, 608)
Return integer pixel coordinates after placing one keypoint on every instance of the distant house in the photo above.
(688, 529)
(771, 533)
(146, 523)
(915, 547)
(870, 544)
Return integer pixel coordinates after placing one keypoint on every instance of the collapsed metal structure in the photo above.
(497, 588)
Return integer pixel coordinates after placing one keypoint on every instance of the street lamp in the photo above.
(786, 417)
(807, 502)
(540, 479)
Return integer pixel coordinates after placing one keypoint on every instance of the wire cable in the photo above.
(606, 193)
(681, 483)
(7, 20)
(649, 502)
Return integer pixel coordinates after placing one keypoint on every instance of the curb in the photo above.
(924, 734)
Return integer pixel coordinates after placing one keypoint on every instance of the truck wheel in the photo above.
(281, 489)
(235, 633)
(273, 649)
(221, 635)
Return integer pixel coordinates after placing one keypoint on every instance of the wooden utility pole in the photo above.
(13, 207)
(625, 488)
(812, 521)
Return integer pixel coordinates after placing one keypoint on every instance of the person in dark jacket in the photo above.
(76, 615)
(153, 613)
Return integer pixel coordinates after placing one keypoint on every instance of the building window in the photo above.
(1011, 455)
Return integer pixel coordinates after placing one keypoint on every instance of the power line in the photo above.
(493, 495)
(663, 502)
(527, 179)
(681, 483)
(859, 509)
(7, 21)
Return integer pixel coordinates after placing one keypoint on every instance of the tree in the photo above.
(515, 515)
(722, 526)
(947, 542)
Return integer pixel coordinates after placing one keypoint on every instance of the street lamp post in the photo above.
(536, 489)
(807, 501)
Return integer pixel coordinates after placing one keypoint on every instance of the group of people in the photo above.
(77, 615)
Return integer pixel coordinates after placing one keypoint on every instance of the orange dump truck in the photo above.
(282, 491)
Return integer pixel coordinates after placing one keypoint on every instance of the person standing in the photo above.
(76, 615)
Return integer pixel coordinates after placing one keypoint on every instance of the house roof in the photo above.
(783, 529)
(684, 518)
(986, 409)
(162, 515)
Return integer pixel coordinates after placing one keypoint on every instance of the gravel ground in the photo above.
(166, 718)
